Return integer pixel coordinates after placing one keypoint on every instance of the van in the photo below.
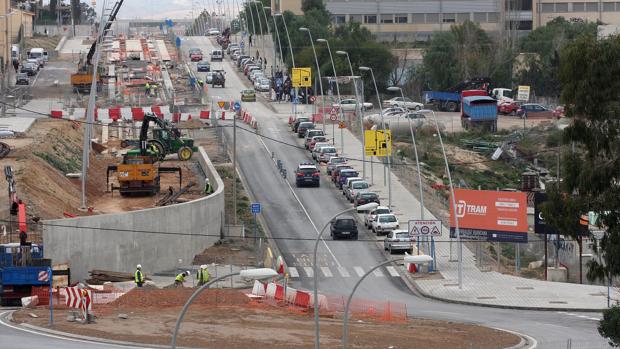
(217, 55)
(15, 56)
(38, 53)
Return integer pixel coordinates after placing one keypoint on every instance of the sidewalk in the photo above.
(480, 288)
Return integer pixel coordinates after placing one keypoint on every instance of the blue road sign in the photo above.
(178, 41)
(161, 26)
(237, 106)
(242, 44)
(255, 207)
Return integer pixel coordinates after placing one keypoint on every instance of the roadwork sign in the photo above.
(419, 227)
(378, 143)
(333, 117)
(342, 124)
(221, 104)
(302, 77)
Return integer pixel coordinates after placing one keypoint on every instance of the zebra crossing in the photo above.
(344, 272)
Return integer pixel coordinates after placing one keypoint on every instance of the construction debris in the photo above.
(98, 277)
(4, 150)
(172, 197)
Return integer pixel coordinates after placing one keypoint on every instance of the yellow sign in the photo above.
(342, 124)
(302, 77)
(221, 104)
(523, 93)
(377, 143)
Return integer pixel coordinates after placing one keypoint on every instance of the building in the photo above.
(14, 23)
(279, 6)
(607, 12)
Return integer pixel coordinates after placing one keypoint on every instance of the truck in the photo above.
(450, 100)
(20, 269)
(479, 110)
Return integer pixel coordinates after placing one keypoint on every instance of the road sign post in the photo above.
(237, 106)
(377, 143)
(255, 207)
(49, 272)
(301, 77)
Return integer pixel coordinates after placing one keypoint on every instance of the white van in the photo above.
(38, 53)
(15, 56)
(217, 55)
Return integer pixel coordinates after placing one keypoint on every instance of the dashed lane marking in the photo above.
(327, 272)
(309, 271)
(392, 271)
(293, 272)
(344, 272)
(359, 271)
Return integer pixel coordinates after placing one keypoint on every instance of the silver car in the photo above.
(356, 188)
(398, 240)
(333, 162)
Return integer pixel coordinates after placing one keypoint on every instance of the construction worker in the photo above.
(139, 276)
(202, 275)
(180, 279)
(147, 89)
(208, 187)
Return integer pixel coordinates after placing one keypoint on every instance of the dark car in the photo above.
(203, 67)
(336, 171)
(22, 79)
(29, 68)
(307, 174)
(218, 79)
(344, 174)
(298, 121)
(343, 226)
(366, 198)
(528, 111)
(303, 127)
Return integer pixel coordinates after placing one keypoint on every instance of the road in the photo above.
(295, 216)
(293, 213)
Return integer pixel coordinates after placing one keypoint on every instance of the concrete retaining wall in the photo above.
(120, 241)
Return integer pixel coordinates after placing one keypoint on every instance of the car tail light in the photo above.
(316, 174)
(396, 240)
(300, 175)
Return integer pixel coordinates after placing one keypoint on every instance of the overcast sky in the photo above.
(156, 9)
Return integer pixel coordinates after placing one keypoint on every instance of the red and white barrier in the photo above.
(259, 288)
(293, 296)
(78, 298)
(130, 114)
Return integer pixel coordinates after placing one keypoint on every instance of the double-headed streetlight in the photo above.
(256, 274)
(367, 207)
(420, 259)
(279, 44)
(290, 46)
(357, 105)
(260, 25)
(318, 71)
(456, 218)
(249, 7)
(389, 156)
(337, 91)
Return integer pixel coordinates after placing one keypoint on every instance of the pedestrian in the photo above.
(147, 89)
(16, 65)
(250, 40)
(257, 54)
(180, 279)
(208, 187)
(265, 64)
(202, 275)
(139, 276)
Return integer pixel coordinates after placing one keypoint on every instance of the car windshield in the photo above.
(360, 185)
(330, 150)
(343, 223)
(318, 139)
(308, 170)
(369, 195)
(402, 235)
(349, 174)
(382, 211)
(337, 160)
(387, 219)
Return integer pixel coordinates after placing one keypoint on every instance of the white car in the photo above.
(325, 153)
(370, 217)
(262, 84)
(387, 112)
(209, 77)
(317, 149)
(355, 188)
(398, 240)
(403, 102)
(255, 74)
(349, 105)
(213, 31)
(384, 223)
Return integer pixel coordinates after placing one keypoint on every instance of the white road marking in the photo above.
(392, 271)
(293, 272)
(344, 272)
(327, 272)
(359, 271)
(378, 272)
(309, 271)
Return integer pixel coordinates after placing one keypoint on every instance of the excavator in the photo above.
(83, 78)
(138, 173)
(166, 140)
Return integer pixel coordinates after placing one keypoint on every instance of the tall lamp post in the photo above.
(456, 218)
(389, 156)
(367, 207)
(275, 27)
(318, 71)
(357, 105)
(273, 62)
(345, 322)
(260, 26)
(337, 89)
(257, 274)
(290, 46)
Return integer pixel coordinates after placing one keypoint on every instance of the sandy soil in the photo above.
(452, 122)
(235, 323)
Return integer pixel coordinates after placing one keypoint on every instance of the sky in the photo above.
(159, 9)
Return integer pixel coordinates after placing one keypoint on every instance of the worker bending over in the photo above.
(180, 279)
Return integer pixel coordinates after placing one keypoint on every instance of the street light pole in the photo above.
(275, 27)
(290, 46)
(318, 71)
(456, 218)
(260, 25)
(337, 88)
(269, 34)
(389, 165)
(365, 207)
(357, 105)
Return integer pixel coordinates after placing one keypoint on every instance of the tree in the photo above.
(609, 327)
(588, 71)
(307, 5)
(53, 8)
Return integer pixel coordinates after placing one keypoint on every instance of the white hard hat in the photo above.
(204, 266)
(139, 266)
(187, 273)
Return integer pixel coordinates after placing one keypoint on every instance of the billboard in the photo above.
(541, 227)
(485, 215)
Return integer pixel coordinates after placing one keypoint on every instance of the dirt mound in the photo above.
(176, 297)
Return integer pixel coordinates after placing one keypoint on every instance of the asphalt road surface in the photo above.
(296, 215)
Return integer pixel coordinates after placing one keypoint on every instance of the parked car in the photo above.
(508, 108)
(364, 198)
(203, 66)
(299, 120)
(343, 226)
(317, 149)
(398, 240)
(348, 182)
(558, 112)
(248, 95)
(22, 79)
(38, 61)
(240, 60)
(403, 103)
(333, 162)
(372, 215)
(307, 174)
(231, 47)
(29, 68)
(343, 175)
(262, 84)
(213, 32)
(255, 73)
(312, 133)
(349, 105)
(218, 79)
(336, 172)
(355, 188)
(301, 129)
(235, 54)
(384, 223)
(311, 142)
(532, 110)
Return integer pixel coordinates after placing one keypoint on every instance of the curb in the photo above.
(413, 283)
(61, 44)
(526, 342)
